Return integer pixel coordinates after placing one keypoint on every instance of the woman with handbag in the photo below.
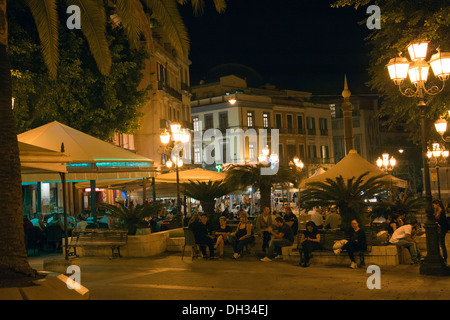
(357, 242)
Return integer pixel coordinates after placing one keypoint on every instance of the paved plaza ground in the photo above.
(167, 277)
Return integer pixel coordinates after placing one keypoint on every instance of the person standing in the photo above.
(443, 227)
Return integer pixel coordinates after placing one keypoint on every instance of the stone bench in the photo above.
(380, 255)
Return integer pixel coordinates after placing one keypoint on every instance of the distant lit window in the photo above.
(250, 120)
(123, 140)
(333, 110)
(196, 124)
(197, 155)
(265, 120)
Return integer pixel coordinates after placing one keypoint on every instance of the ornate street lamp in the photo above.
(385, 163)
(399, 68)
(177, 135)
(437, 152)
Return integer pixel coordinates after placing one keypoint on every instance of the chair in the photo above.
(189, 240)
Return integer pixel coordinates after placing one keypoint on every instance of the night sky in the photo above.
(293, 44)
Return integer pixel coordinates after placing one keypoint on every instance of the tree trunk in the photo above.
(13, 255)
(265, 192)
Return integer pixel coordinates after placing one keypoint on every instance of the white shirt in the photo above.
(401, 233)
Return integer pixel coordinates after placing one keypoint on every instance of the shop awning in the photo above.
(37, 160)
(197, 174)
(92, 158)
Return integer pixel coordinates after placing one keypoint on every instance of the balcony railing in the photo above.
(173, 92)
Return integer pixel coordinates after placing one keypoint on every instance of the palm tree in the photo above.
(349, 195)
(242, 176)
(400, 203)
(13, 257)
(206, 192)
(133, 217)
(136, 23)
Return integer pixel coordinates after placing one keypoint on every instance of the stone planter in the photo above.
(138, 246)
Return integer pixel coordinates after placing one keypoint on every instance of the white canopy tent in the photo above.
(353, 165)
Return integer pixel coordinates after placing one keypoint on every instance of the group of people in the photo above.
(242, 236)
(276, 232)
(46, 231)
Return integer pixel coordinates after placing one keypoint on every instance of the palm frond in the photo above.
(166, 12)
(204, 191)
(134, 21)
(93, 26)
(46, 18)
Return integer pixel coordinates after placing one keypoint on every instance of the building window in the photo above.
(311, 125)
(324, 154)
(196, 124)
(333, 111)
(123, 140)
(162, 74)
(250, 118)
(265, 120)
(300, 124)
(289, 122)
(323, 126)
(197, 155)
(301, 151)
(209, 122)
(223, 121)
(251, 152)
(278, 121)
(312, 152)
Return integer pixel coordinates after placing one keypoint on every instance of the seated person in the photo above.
(222, 235)
(243, 234)
(403, 237)
(284, 238)
(357, 242)
(202, 237)
(310, 241)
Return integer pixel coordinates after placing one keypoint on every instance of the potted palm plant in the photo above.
(133, 217)
(207, 193)
(349, 195)
(242, 176)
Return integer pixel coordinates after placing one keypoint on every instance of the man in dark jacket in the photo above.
(202, 237)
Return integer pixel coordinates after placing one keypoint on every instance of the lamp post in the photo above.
(266, 160)
(417, 69)
(177, 135)
(437, 152)
(387, 165)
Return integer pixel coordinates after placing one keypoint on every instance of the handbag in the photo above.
(338, 245)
